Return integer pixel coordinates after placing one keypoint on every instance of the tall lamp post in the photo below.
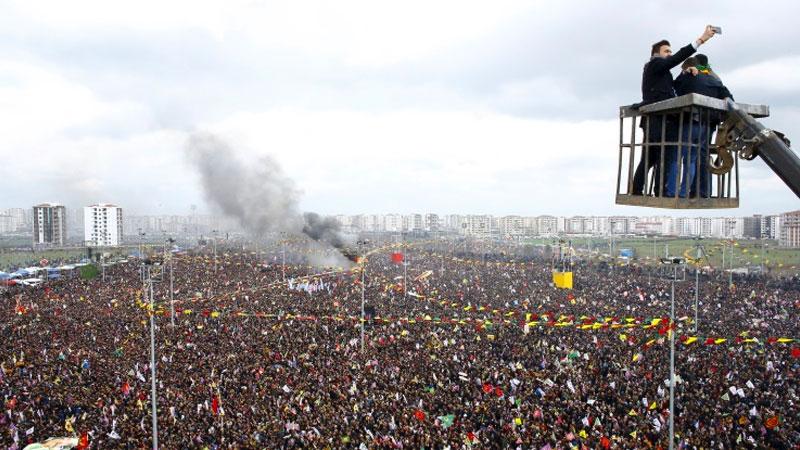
(214, 280)
(700, 255)
(674, 270)
(152, 272)
(168, 255)
(363, 245)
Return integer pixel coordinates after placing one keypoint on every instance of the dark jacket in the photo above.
(704, 84)
(657, 78)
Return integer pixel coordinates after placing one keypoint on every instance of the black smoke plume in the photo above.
(257, 194)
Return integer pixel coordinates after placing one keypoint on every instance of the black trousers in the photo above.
(651, 154)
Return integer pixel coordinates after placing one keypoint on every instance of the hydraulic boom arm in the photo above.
(743, 134)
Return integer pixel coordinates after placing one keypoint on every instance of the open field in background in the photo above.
(19, 256)
(745, 252)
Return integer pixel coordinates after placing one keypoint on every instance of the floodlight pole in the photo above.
(363, 294)
(672, 363)
(171, 288)
(153, 396)
(699, 255)
(675, 264)
(405, 278)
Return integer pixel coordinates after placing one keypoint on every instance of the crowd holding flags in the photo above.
(483, 354)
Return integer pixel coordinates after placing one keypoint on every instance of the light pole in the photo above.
(405, 278)
(283, 258)
(147, 274)
(700, 254)
(214, 232)
(363, 244)
(171, 283)
(672, 265)
(730, 274)
(214, 280)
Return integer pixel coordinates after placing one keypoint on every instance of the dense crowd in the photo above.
(470, 353)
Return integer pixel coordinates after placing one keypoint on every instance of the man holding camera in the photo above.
(657, 85)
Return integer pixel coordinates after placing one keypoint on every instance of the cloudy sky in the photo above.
(503, 107)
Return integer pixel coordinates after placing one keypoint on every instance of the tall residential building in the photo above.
(547, 225)
(6, 225)
(751, 226)
(18, 218)
(478, 225)
(49, 224)
(102, 225)
(790, 229)
(432, 222)
(770, 227)
(511, 226)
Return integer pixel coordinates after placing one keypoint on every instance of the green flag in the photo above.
(447, 421)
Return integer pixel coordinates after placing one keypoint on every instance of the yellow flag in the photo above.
(653, 406)
(632, 413)
(719, 341)
(785, 340)
(690, 340)
(623, 337)
(583, 434)
(636, 357)
(518, 421)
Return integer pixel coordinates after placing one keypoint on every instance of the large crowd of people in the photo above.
(471, 352)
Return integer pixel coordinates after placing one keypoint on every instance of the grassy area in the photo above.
(24, 258)
(745, 252)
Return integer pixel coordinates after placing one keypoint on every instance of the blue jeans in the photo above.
(693, 139)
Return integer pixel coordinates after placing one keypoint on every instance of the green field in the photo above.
(13, 258)
(745, 252)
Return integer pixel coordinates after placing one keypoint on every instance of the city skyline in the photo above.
(782, 227)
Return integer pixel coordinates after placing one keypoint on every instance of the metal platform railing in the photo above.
(668, 159)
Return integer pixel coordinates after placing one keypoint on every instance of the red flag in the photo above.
(126, 388)
(471, 436)
(215, 404)
(605, 442)
(771, 422)
(397, 257)
(487, 388)
(498, 392)
(83, 442)
(710, 341)
(796, 352)
(419, 415)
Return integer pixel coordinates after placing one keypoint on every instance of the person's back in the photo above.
(702, 83)
(697, 133)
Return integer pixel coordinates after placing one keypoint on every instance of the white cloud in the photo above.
(370, 106)
(781, 75)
